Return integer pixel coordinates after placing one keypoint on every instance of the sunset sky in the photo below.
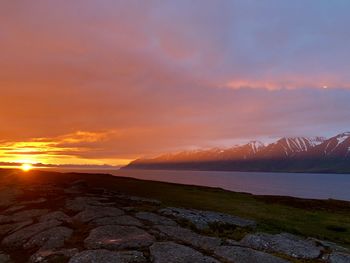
(107, 81)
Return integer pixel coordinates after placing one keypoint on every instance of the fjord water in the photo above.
(318, 186)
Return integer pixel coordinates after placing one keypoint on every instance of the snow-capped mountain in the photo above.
(335, 147)
(290, 146)
(286, 154)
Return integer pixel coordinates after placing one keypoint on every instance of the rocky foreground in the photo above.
(78, 224)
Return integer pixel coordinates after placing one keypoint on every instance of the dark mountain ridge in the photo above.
(293, 154)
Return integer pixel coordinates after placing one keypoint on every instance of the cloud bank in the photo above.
(154, 76)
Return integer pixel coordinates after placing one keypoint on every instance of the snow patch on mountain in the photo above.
(256, 146)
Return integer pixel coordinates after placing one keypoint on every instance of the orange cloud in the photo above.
(60, 150)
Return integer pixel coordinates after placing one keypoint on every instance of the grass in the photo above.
(323, 219)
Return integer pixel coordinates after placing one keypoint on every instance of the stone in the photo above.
(105, 256)
(14, 208)
(46, 256)
(8, 195)
(284, 243)
(22, 215)
(330, 245)
(129, 208)
(204, 219)
(36, 201)
(155, 219)
(79, 184)
(124, 220)
(84, 202)
(57, 215)
(118, 237)
(28, 214)
(4, 258)
(190, 238)
(76, 187)
(9, 228)
(138, 199)
(20, 237)
(50, 239)
(92, 213)
(235, 254)
(338, 257)
(170, 252)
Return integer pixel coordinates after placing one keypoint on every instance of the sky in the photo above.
(108, 81)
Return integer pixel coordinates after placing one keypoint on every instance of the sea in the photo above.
(304, 185)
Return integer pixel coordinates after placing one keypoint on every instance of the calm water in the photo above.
(319, 186)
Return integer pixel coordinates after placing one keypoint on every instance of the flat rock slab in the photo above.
(57, 215)
(203, 219)
(4, 258)
(190, 238)
(338, 257)
(233, 254)
(76, 187)
(124, 220)
(8, 195)
(9, 228)
(20, 237)
(92, 213)
(46, 256)
(170, 252)
(106, 256)
(287, 244)
(36, 201)
(138, 199)
(84, 202)
(14, 209)
(155, 219)
(23, 215)
(118, 237)
(50, 239)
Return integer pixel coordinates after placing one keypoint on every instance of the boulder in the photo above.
(235, 254)
(124, 220)
(204, 219)
(284, 243)
(105, 256)
(92, 213)
(20, 237)
(190, 238)
(118, 237)
(50, 239)
(170, 252)
(155, 219)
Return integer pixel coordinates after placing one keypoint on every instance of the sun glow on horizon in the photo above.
(26, 167)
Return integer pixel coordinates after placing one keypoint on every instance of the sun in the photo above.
(26, 167)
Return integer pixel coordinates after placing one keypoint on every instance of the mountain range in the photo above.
(288, 154)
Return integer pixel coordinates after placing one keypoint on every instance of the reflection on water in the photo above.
(319, 186)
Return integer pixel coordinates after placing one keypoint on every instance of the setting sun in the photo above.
(26, 167)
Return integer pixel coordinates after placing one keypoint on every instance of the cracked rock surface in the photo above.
(79, 223)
